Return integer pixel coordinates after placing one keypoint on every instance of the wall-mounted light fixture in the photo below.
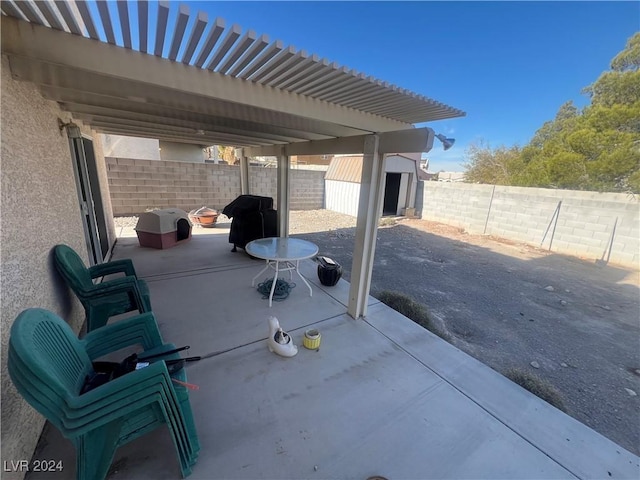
(447, 143)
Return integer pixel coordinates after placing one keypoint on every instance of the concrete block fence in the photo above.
(140, 185)
(599, 226)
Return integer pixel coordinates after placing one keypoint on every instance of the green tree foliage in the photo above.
(496, 166)
(597, 148)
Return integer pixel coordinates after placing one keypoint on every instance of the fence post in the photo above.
(609, 247)
(486, 222)
(556, 215)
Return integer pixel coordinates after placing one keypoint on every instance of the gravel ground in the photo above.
(310, 221)
(125, 222)
(301, 221)
(509, 305)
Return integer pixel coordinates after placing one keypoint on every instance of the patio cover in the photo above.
(218, 85)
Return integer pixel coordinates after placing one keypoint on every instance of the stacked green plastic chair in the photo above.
(109, 298)
(48, 365)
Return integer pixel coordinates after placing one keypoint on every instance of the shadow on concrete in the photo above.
(510, 305)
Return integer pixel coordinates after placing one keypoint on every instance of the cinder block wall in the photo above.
(307, 189)
(262, 181)
(572, 222)
(462, 205)
(140, 185)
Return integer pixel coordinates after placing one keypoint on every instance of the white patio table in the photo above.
(281, 254)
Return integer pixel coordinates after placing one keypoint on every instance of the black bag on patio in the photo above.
(252, 217)
(104, 372)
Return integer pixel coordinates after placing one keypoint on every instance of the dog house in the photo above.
(163, 228)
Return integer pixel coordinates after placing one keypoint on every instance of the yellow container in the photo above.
(312, 339)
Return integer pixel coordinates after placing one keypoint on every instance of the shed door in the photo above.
(391, 194)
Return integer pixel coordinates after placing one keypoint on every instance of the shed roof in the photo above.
(345, 168)
(348, 168)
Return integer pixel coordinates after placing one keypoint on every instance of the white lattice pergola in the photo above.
(217, 84)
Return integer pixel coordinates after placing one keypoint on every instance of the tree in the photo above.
(620, 85)
(597, 148)
(227, 154)
(496, 166)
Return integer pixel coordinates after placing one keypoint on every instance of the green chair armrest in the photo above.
(141, 329)
(120, 285)
(117, 266)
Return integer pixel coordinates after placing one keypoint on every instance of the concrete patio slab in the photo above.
(580, 449)
(220, 310)
(209, 249)
(360, 406)
(382, 396)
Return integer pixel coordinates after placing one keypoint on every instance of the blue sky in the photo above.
(509, 65)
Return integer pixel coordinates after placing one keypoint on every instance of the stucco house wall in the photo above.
(39, 210)
(181, 152)
(130, 147)
(122, 146)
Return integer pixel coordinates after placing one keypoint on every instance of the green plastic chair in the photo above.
(48, 365)
(106, 299)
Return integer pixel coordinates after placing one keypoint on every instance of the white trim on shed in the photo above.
(342, 182)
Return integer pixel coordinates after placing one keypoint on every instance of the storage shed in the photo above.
(342, 183)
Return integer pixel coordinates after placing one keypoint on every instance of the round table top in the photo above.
(281, 249)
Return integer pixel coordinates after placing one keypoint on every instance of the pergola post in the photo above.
(283, 193)
(370, 203)
(244, 171)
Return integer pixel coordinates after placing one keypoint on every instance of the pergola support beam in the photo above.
(244, 171)
(371, 195)
(283, 194)
(400, 141)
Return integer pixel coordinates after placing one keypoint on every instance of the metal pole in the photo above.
(555, 224)
(555, 212)
(486, 222)
(609, 247)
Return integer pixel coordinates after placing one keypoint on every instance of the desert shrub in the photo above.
(536, 385)
(387, 222)
(408, 307)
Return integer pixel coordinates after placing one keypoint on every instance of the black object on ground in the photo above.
(329, 271)
(104, 372)
(253, 217)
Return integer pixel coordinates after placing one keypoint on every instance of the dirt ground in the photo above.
(568, 320)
